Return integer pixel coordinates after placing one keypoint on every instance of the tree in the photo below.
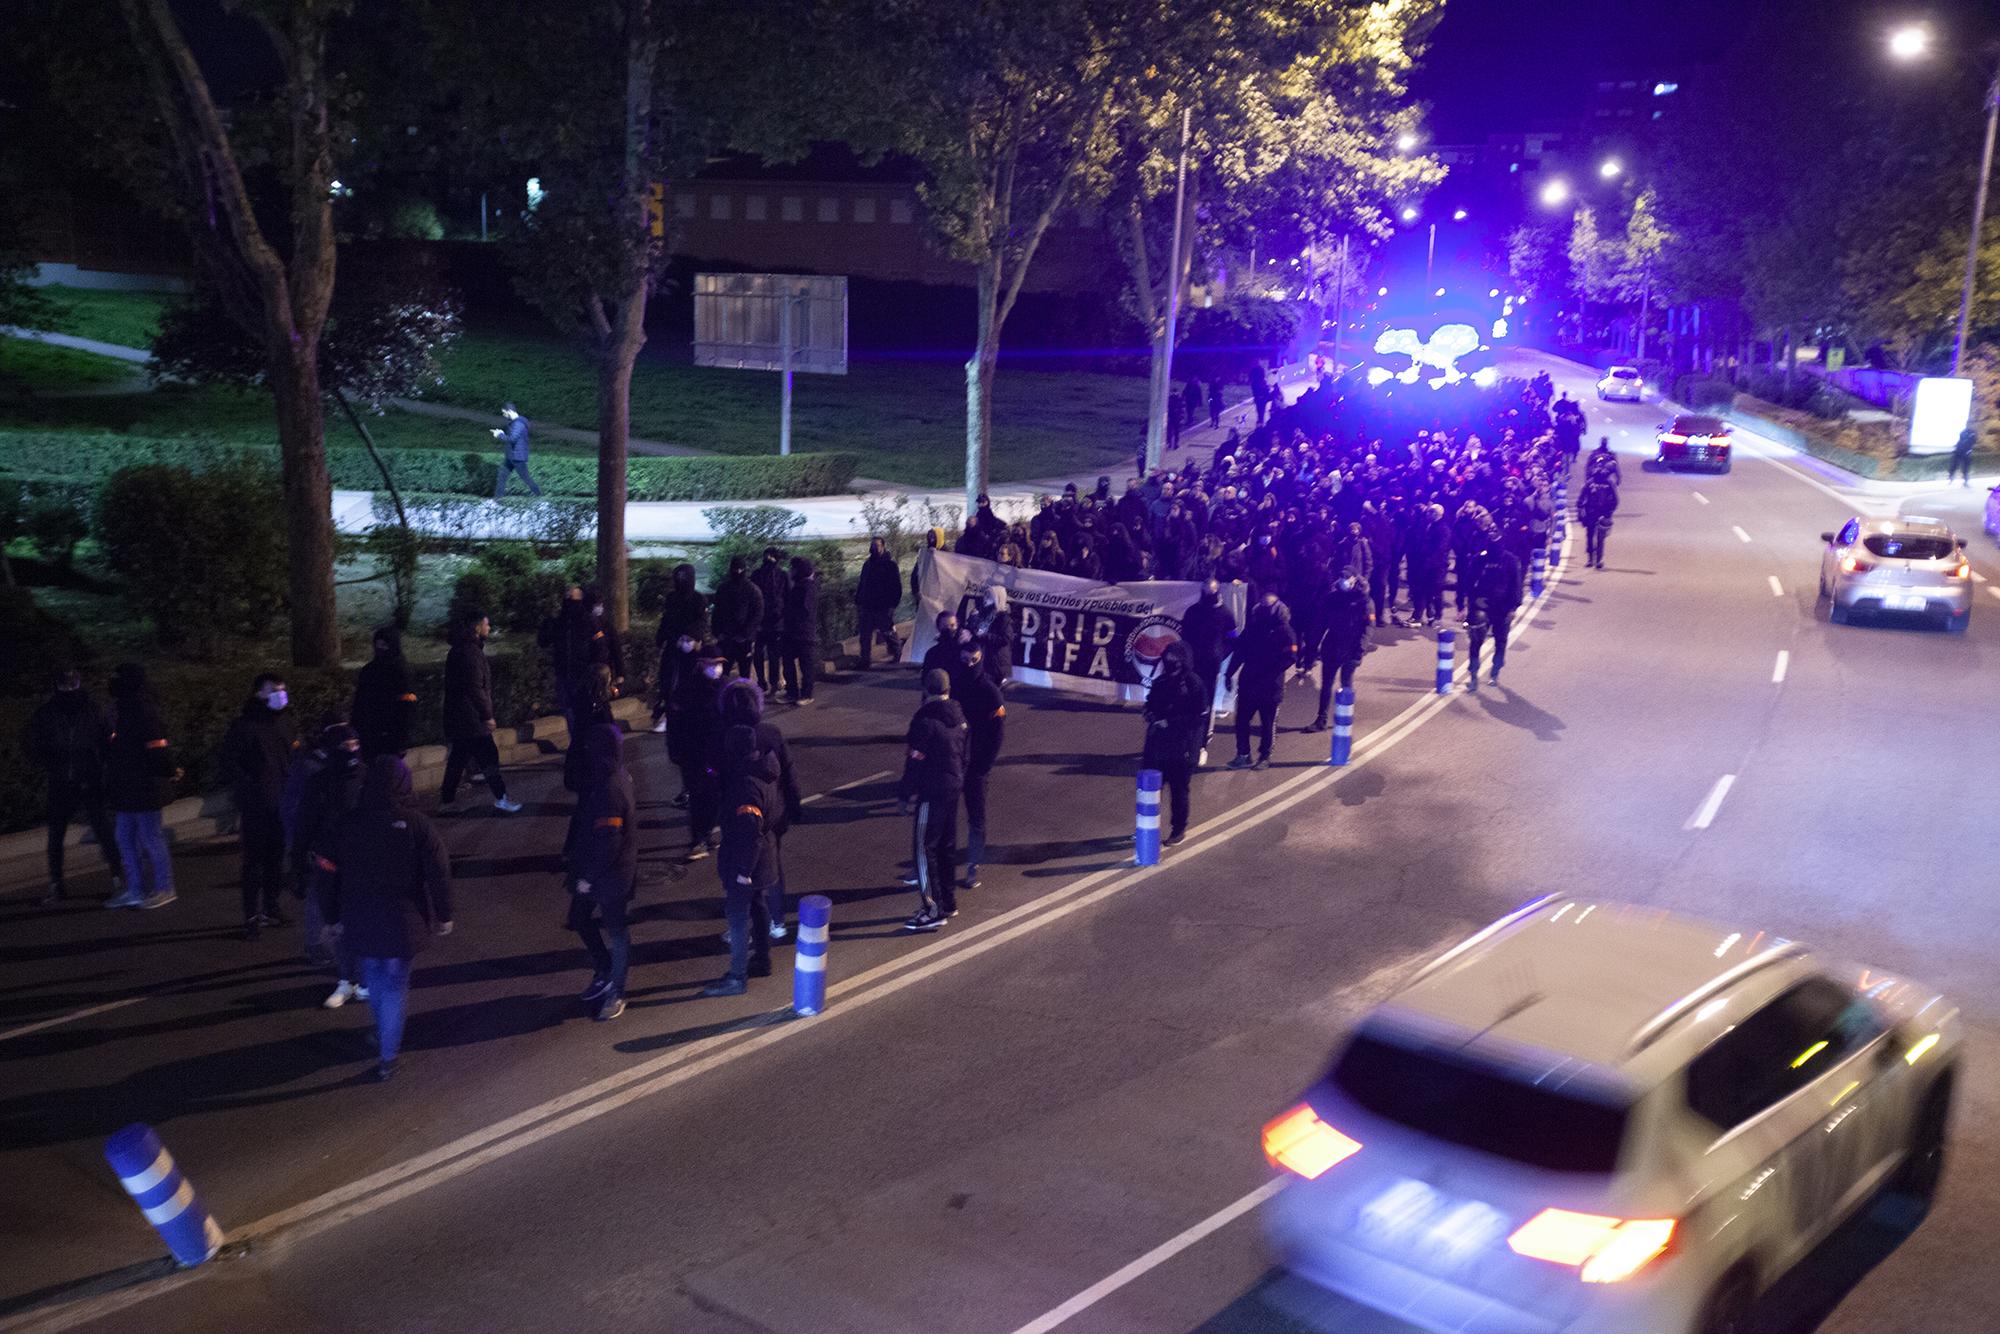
(278, 295)
(1640, 271)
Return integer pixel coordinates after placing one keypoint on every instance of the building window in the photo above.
(718, 208)
(829, 209)
(899, 210)
(753, 209)
(791, 208)
(864, 210)
(683, 204)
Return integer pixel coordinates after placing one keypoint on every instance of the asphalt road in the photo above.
(1053, 1104)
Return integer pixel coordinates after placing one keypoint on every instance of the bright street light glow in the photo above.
(1440, 291)
(1555, 192)
(1406, 141)
(1381, 291)
(1458, 215)
(1409, 215)
(1910, 42)
(1610, 168)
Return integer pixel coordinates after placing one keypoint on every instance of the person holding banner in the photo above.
(1263, 651)
(1176, 730)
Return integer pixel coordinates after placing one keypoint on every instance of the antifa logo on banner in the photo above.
(1111, 639)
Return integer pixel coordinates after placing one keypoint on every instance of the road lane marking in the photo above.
(1777, 589)
(1704, 814)
(1741, 536)
(859, 782)
(1699, 498)
(1784, 662)
(72, 1017)
(1994, 591)
(579, 1106)
(1978, 578)
(1152, 1259)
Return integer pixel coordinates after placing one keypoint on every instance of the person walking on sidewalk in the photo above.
(139, 776)
(468, 715)
(800, 631)
(602, 854)
(67, 738)
(323, 785)
(747, 861)
(1961, 458)
(384, 713)
(933, 778)
(255, 753)
(1176, 729)
(876, 596)
(384, 879)
(768, 651)
(985, 710)
(514, 454)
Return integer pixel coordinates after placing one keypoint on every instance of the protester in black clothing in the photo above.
(772, 585)
(683, 626)
(1429, 546)
(1595, 505)
(67, 738)
(1499, 581)
(1177, 705)
(742, 705)
(801, 631)
(1343, 631)
(747, 860)
(942, 655)
(1961, 458)
(1257, 666)
(694, 741)
(1478, 629)
(1208, 629)
(384, 880)
(139, 776)
(567, 638)
(384, 712)
(979, 699)
(254, 755)
(1215, 404)
(933, 778)
(737, 616)
(323, 784)
(601, 852)
(985, 531)
(1602, 462)
(468, 715)
(877, 594)
(607, 648)
(992, 629)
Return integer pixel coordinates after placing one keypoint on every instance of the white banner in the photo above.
(1069, 634)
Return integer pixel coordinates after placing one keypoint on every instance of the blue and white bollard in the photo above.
(167, 1198)
(1146, 838)
(1538, 573)
(809, 958)
(1444, 661)
(1343, 725)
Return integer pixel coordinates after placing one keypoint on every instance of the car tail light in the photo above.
(1963, 570)
(1607, 1250)
(1673, 438)
(1853, 565)
(1300, 1142)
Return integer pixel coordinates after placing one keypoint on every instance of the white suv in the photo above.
(1601, 1117)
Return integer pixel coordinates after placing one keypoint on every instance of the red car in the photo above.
(1694, 440)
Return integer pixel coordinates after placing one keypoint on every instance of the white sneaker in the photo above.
(507, 804)
(660, 726)
(360, 992)
(341, 995)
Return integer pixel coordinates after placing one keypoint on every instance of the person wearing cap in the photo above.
(514, 455)
(601, 853)
(66, 738)
(694, 739)
(933, 779)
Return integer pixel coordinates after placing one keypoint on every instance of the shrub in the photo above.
(33, 643)
(202, 554)
(396, 549)
(509, 585)
(652, 580)
(55, 528)
(473, 594)
(746, 531)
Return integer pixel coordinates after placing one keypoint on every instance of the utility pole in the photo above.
(1339, 303)
(1156, 426)
(1978, 223)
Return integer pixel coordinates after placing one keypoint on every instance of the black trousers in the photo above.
(1174, 776)
(1328, 669)
(877, 624)
(1503, 617)
(704, 789)
(1382, 588)
(263, 837)
(66, 802)
(1594, 540)
(737, 656)
(975, 815)
(934, 852)
(768, 655)
(466, 753)
(801, 660)
(1266, 710)
(1961, 466)
(594, 920)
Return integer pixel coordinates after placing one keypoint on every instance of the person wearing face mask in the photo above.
(933, 777)
(1207, 629)
(985, 711)
(801, 631)
(1343, 632)
(683, 626)
(768, 652)
(468, 715)
(747, 861)
(942, 656)
(384, 712)
(694, 739)
(255, 753)
(323, 785)
(601, 853)
(738, 614)
(67, 738)
(1177, 705)
(877, 594)
(1257, 665)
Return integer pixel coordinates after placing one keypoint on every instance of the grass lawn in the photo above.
(129, 319)
(28, 367)
(904, 418)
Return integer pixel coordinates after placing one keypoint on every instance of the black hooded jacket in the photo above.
(934, 769)
(385, 702)
(772, 585)
(742, 705)
(750, 789)
(802, 603)
(381, 870)
(1176, 707)
(468, 688)
(1264, 650)
(603, 843)
(1206, 629)
(328, 786)
(139, 764)
(1343, 625)
(684, 611)
(66, 737)
(739, 608)
(255, 753)
(881, 584)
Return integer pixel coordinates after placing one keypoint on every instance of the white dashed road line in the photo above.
(1777, 589)
(1699, 498)
(1990, 588)
(1783, 665)
(72, 1017)
(1978, 578)
(859, 782)
(1704, 814)
(1741, 536)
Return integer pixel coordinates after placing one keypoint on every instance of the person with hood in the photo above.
(942, 655)
(1595, 505)
(323, 785)
(985, 710)
(384, 713)
(1207, 629)
(1343, 637)
(772, 586)
(468, 715)
(1257, 666)
(993, 628)
(1176, 730)
(594, 709)
(567, 638)
(254, 755)
(738, 614)
(139, 776)
(1603, 461)
(747, 861)
(384, 881)
(742, 705)
(601, 853)
(1498, 579)
(66, 738)
(1429, 548)
(933, 541)
(683, 626)
(985, 532)
(694, 741)
(801, 631)
(933, 778)
(877, 594)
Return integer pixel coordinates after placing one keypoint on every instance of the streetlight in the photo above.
(1912, 42)
(1611, 168)
(1556, 193)
(1458, 215)
(1406, 141)
(1409, 215)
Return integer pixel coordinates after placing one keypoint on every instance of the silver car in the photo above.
(1908, 565)
(1622, 382)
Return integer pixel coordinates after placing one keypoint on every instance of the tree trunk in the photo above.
(308, 501)
(614, 429)
(979, 371)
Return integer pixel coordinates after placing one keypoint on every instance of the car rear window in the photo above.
(1904, 546)
(1621, 373)
(1699, 425)
(1449, 1097)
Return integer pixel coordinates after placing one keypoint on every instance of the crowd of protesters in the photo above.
(1341, 513)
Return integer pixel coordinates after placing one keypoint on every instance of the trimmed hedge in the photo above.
(60, 455)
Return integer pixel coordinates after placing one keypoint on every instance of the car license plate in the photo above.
(1434, 1230)
(1908, 602)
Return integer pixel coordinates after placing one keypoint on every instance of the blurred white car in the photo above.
(1908, 565)
(1602, 1117)
(1622, 382)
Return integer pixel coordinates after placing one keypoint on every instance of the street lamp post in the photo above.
(1978, 222)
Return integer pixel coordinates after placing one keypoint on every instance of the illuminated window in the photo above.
(754, 209)
(791, 208)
